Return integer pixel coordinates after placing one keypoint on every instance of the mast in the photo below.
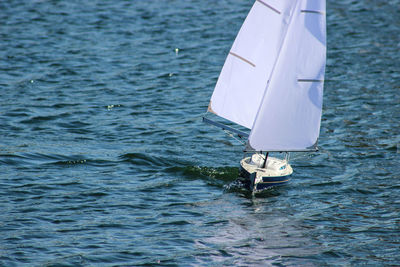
(265, 160)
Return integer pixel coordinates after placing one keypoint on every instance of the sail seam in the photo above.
(265, 4)
(313, 11)
(242, 58)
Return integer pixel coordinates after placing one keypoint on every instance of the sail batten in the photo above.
(310, 80)
(242, 58)
(313, 11)
(269, 6)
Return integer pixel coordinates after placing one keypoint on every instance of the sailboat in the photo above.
(272, 84)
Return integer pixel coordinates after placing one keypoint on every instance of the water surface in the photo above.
(104, 159)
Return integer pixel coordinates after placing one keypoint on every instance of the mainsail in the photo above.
(272, 79)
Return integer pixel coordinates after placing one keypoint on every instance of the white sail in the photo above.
(289, 116)
(272, 79)
(247, 69)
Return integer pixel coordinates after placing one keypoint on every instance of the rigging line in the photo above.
(228, 130)
(231, 135)
(225, 127)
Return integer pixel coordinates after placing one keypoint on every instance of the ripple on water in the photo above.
(104, 159)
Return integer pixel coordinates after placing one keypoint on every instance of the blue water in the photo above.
(104, 159)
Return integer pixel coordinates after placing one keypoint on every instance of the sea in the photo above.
(105, 161)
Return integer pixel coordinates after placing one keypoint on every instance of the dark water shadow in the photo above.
(225, 178)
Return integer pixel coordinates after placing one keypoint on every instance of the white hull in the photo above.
(276, 171)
